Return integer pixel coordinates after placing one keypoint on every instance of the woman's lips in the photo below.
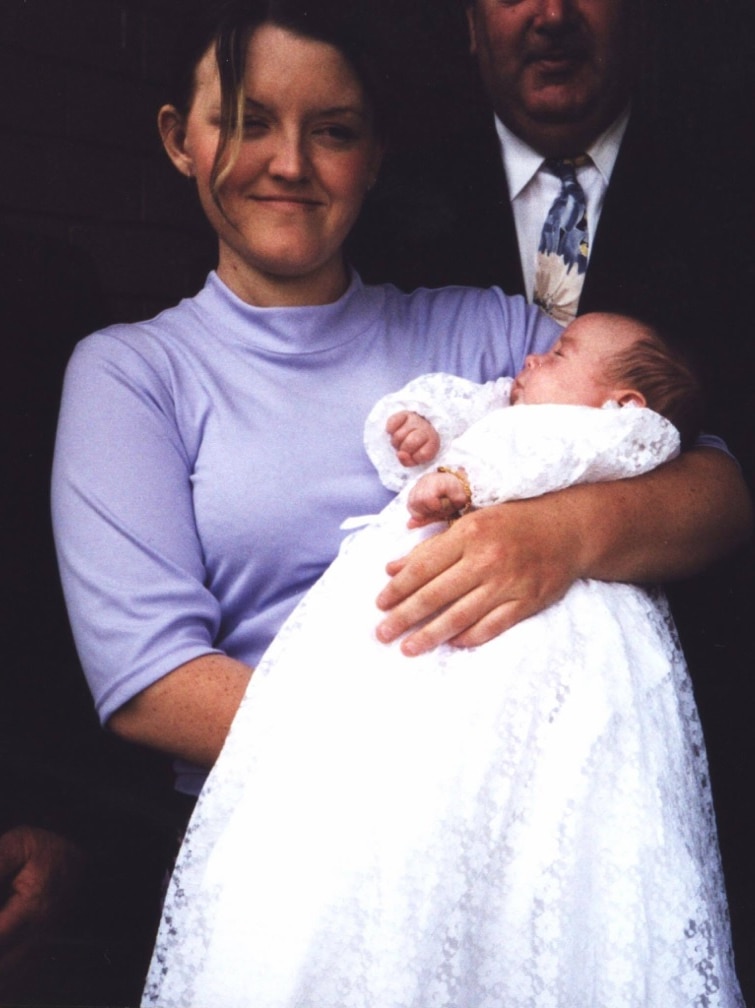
(283, 202)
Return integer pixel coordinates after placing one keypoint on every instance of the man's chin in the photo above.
(558, 105)
(560, 95)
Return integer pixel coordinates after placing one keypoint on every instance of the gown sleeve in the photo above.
(525, 451)
(449, 402)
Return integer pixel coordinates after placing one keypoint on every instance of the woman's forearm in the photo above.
(670, 523)
(188, 712)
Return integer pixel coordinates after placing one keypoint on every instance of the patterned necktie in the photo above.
(562, 253)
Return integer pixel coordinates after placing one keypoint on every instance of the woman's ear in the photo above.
(376, 164)
(173, 134)
(472, 26)
(627, 397)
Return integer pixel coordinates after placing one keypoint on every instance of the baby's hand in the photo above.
(438, 495)
(413, 438)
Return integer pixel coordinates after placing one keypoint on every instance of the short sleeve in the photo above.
(130, 559)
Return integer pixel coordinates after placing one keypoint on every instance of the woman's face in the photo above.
(306, 158)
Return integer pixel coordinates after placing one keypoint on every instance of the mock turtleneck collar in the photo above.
(292, 330)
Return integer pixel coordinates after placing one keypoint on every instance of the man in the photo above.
(559, 74)
(567, 78)
(666, 201)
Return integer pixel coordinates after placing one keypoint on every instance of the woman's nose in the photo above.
(289, 159)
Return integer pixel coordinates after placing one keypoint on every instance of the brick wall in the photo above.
(81, 159)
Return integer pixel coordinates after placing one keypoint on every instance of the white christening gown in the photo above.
(526, 823)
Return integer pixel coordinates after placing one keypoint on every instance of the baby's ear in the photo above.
(629, 397)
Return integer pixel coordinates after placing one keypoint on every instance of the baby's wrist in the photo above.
(461, 476)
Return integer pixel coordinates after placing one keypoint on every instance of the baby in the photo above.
(601, 360)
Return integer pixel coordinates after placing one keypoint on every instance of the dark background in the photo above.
(81, 82)
(96, 226)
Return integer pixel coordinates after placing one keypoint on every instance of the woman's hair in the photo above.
(654, 366)
(350, 26)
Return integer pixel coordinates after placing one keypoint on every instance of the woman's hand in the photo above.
(501, 564)
(491, 569)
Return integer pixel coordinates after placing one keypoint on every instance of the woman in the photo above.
(176, 577)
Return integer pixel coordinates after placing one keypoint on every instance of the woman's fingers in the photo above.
(411, 586)
(491, 570)
(470, 620)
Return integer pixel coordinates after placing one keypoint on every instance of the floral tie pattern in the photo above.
(563, 250)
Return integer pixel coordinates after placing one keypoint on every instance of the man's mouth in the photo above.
(558, 60)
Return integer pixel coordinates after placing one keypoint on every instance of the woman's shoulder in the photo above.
(148, 340)
(463, 305)
(441, 298)
(484, 317)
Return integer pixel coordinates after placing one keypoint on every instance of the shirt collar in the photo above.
(522, 163)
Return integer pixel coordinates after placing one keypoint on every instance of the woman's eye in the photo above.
(253, 124)
(336, 133)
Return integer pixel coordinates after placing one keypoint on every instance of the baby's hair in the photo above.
(667, 379)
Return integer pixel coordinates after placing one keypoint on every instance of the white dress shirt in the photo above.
(532, 190)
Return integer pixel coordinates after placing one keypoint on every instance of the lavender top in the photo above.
(206, 459)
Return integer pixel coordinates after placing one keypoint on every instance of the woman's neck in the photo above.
(263, 290)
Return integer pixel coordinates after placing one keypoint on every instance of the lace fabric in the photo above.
(525, 451)
(450, 403)
(524, 824)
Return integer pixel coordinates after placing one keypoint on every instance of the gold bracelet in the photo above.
(461, 476)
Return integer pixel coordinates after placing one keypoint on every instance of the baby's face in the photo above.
(573, 372)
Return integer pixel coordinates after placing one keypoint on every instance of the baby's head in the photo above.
(603, 357)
